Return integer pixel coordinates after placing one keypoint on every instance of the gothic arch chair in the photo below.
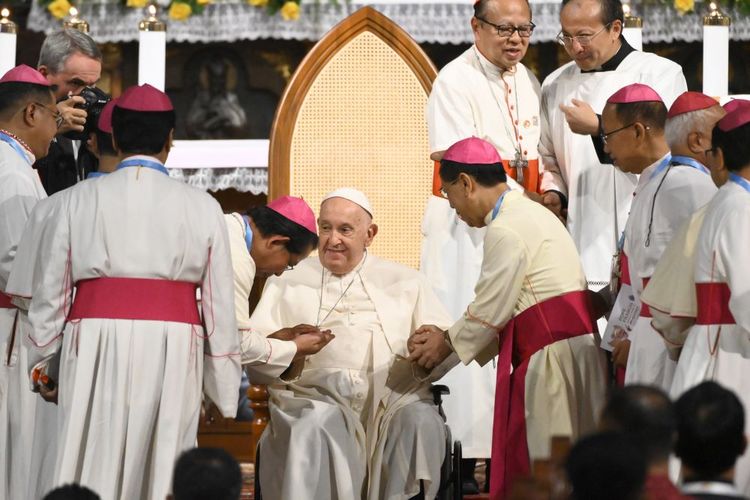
(353, 114)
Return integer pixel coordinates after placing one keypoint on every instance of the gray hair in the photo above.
(60, 45)
(677, 129)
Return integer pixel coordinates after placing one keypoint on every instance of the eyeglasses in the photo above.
(55, 113)
(605, 135)
(507, 30)
(583, 40)
(444, 190)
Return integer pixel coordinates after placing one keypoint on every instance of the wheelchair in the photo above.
(450, 471)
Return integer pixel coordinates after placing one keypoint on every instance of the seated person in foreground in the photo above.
(354, 420)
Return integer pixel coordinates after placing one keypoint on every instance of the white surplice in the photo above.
(20, 190)
(273, 355)
(722, 352)
(354, 420)
(468, 99)
(663, 201)
(570, 163)
(130, 390)
(528, 258)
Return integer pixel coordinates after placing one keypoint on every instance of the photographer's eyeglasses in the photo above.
(58, 116)
(507, 30)
(583, 40)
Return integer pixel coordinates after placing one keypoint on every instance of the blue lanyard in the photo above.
(664, 164)
(248, 233)
(137, 162)
(16, 146)
(499, 202)
(93, 175)
(743, 183)
(690, 162)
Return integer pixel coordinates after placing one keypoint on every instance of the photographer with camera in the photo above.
(72, 61)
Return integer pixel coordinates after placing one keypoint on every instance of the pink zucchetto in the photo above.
(738, 116)
(296, 210)
(144, 98)
(105, 117)
(730, 106)
(691, 101)
(636, 92)
(24, 74)
(473, 151)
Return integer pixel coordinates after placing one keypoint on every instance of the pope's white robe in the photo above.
(721, 352)
(20, 190)
(355, 422)
(529, 258)
(464, 103)
(130, 390)
(273, 355)
(570, 163)
(662, 202)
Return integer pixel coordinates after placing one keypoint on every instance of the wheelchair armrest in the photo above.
(437, 393)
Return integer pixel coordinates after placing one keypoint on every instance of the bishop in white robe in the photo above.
(354, 420)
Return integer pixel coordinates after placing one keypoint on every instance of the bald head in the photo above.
(345, 230)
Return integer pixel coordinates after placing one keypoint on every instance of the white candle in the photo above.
(632, 28)
(152, 51)
(7, 42)
(715, 52)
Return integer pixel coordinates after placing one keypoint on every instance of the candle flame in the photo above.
(712, 6)
(5, 12)
(73, 12)
(626, 9)
(151, 10)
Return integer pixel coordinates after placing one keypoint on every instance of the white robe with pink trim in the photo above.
(130, 390)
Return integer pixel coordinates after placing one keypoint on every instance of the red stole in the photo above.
(713, 304)
(558, 318)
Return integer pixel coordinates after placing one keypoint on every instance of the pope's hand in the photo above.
(581, 117)
(73, 118)
(293, 332)
(427, 347)
(310, 343)
(620, 352)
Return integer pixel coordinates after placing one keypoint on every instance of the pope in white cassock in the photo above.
(27, 125)
(532, 310)
(575, 169)
(673, 183)
(355, 420)
(135, 352)
(718, 345)
(267, 241)
(488, 93)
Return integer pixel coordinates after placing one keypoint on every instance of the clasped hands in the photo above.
(428, 347)
(309, 339)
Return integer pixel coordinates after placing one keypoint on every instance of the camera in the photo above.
(94, 101)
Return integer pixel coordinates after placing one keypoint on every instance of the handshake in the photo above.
(309, 339)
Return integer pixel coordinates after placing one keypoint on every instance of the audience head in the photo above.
(287, 234)
(690, 120)
(710, 431)
(143, 121)
(71, 492)
(27, 108)
(632, 126)
(491, 24)
(206, 474)
(346, 230)
(646, 416)
(71, 60)
(590, 31)
(730, 139)
(468, 170)
(606, 465)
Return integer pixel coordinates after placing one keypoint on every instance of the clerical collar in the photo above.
(616, 59)
(489, 67)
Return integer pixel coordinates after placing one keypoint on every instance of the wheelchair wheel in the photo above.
(456, 472)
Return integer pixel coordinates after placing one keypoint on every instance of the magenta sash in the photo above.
(558, 318)
(137, 299)
(5, 302)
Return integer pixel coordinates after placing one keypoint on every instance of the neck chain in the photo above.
(18, 140)
(519, 162)
(319, 321)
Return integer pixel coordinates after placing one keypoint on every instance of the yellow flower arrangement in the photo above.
(290, 10)
(136, 4)
(258, 3)
(204, 2)
(179, 11)
(59, 8)
(684, 6)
